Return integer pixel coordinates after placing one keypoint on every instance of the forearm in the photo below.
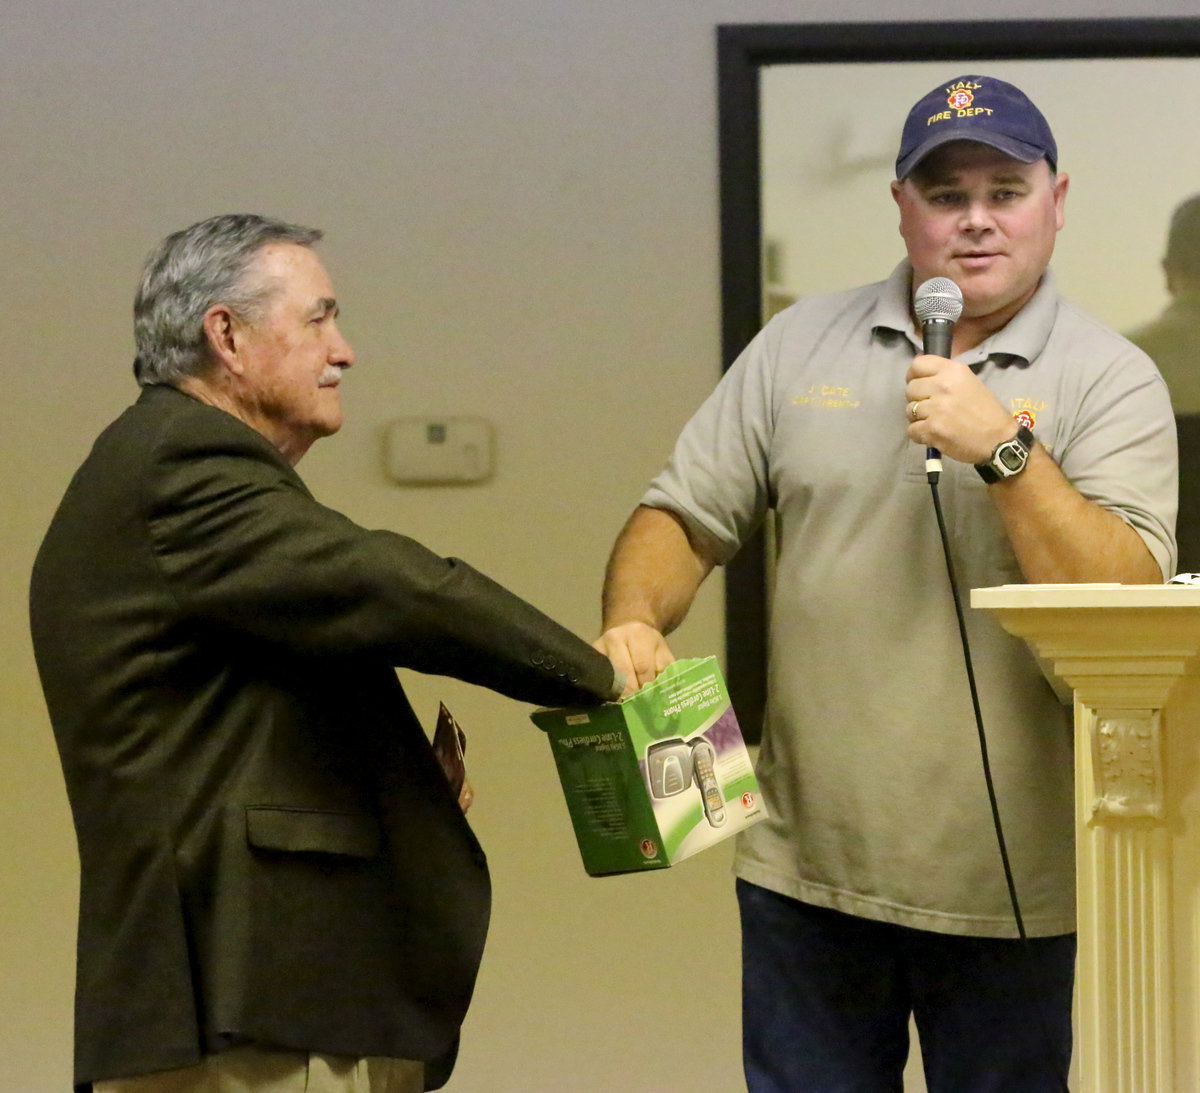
(652, 578)
(1060, 537)
(653, 573)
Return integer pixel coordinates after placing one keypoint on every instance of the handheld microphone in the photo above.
(938, 303)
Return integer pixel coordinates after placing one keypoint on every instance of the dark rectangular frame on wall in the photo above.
(742, 51)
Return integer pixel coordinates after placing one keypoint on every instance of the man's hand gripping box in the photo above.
(658, 776)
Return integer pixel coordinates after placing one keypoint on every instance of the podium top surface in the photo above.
(1106, 596)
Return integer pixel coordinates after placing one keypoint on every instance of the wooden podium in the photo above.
(1131, 656)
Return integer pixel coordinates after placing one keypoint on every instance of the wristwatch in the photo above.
(1008, 458)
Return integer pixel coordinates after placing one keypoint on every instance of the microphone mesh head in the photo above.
(938, 298)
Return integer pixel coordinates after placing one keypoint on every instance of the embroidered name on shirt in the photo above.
(827, 397)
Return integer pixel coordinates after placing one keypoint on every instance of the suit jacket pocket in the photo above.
(312, 831)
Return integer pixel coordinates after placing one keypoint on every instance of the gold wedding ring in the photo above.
(912, 411)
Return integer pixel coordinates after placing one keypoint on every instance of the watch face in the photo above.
(1011, 457)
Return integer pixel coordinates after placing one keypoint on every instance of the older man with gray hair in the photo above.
(279, 889)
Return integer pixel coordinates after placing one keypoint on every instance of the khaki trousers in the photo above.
(254, 1070)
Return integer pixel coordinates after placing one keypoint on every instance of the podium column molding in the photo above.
(1129, 655)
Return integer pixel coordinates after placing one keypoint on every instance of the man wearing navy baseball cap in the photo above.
(982, 135)
(874, 892)
(981, 110)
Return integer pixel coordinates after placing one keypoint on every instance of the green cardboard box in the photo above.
(658, 776)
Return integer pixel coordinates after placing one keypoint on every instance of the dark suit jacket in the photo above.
(269, 851)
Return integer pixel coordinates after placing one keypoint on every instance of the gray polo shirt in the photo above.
(870, 762)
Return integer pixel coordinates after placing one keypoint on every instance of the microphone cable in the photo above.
(932, 474)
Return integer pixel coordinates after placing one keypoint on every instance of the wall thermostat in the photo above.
(439, 451)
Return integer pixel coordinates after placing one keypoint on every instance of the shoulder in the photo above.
(831, 319)
(165, 420)
(179, 434)
(173, 462)
(172, 417)
(1093, 343)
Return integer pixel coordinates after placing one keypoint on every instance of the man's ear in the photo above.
(900, 197)
(220, 329)
(1062, 183)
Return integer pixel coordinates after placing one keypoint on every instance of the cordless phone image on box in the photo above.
(669, 766)
(704, 767)
(674, 765)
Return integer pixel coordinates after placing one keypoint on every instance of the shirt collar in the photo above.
(1020, 340)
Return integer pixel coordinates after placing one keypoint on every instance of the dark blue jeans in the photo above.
(826, 999)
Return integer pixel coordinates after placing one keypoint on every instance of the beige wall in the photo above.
(520, 199)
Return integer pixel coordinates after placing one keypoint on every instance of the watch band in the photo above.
(1008, 457)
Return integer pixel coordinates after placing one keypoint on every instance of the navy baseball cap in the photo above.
(981, 109)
